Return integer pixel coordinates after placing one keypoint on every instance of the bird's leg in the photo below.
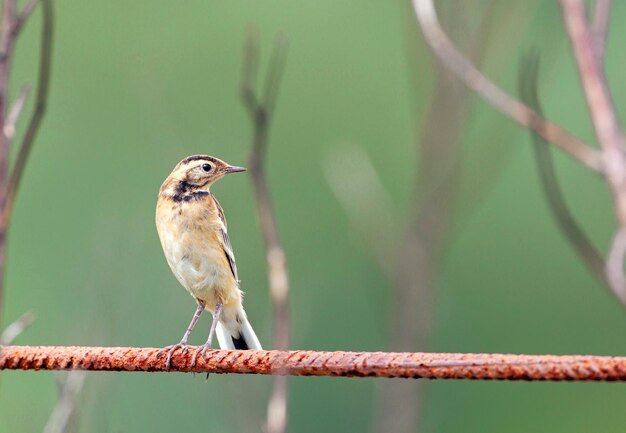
(183, 341)
(216, 319)
(192, 324)
(207, 345)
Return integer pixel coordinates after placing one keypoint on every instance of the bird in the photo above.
(193, 233)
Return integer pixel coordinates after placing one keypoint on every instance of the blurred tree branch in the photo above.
(360, 192)
(16, 328)
(12, 23)
(409, 259)
(600, 26)
(614, 265)
(467, 72)
(573, 232)
(587, 41)
(432, 202)
(64, 413)
(41, 99)
(10, 126)
(475, 366)
(23, 16)
(261, 110)
(609, 133)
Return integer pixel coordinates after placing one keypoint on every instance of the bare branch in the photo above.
(261, 110)
(311, 363)
(615, 266)
(21, 19)
(249, 71)
(494, 95)
(528, 83)
(607, 129)
(45, 60)
(8, 187)
(61, 416)
(7, 45)
(600, 26)
(359, 190)
(15, 112)
(16, 328)
(275, 73)
(594, 83)
(277, 406)
(432, 203)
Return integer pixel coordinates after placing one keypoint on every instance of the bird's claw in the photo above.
(201, 349)
(170, 351)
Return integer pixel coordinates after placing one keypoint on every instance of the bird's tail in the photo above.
(236, 333)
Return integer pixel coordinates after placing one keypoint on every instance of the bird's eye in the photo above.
(206, 167)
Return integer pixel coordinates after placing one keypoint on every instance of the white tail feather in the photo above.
(225, 338)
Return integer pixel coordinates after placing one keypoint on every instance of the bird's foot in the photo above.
(200, 349)
(170, 351)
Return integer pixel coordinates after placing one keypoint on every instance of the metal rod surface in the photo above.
(311, 363)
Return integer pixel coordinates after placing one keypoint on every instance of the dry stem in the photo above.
(261, 110)
(466, 71)
(573, 232)
(65, 409)
(16, 328)
(41, 98)
(12, 24)
(600, 26)
(614, 265)
(606, 125)
(10, 125)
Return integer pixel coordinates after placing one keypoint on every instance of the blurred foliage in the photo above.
(138, 85)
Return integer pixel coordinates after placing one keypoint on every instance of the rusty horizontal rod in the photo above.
(312, 363)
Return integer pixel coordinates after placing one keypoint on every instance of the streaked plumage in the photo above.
(193, 232)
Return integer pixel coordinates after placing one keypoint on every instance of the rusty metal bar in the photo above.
(311, 363)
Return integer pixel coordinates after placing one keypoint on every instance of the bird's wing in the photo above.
(226, 245)
(228, 250)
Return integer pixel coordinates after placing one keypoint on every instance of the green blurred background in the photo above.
(138, 85)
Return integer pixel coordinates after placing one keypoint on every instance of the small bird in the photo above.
(192, 228)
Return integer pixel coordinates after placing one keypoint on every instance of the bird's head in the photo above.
(197, 173)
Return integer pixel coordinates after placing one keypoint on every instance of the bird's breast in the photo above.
(189, 237)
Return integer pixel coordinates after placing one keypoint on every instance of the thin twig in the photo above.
(61, 416)
(10, 125)
(12, 23)
(261, 110)
(249, 71)
(23, 16)
(7, 45)
(573, 232)
(599, 101)
(494, 95)
(43, 84)
(275, 73)
(432, 203)
(600, 26)
(311, 363)
(615, 265)
(606, 125)
(359, 190)
(17, 327)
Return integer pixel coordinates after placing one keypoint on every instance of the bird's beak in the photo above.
(234, 169)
